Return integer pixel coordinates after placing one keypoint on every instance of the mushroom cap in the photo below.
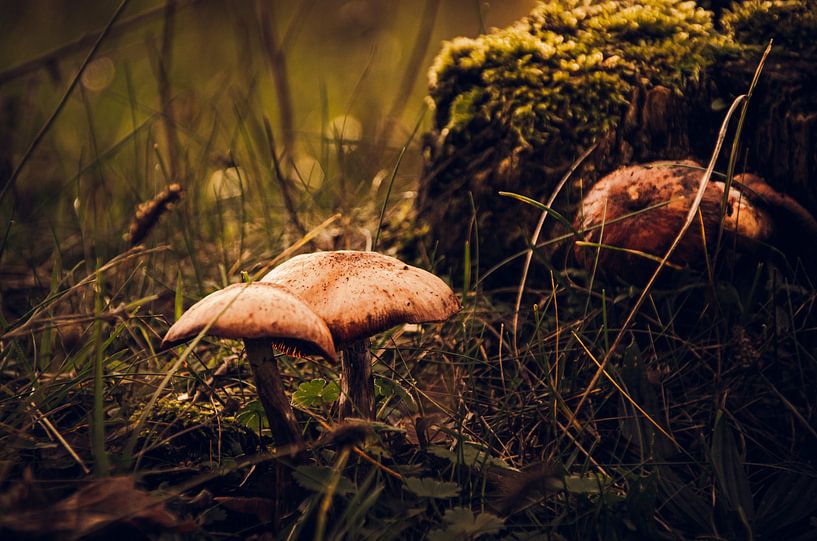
(785, 210)
(256, 311)
(631, 190)
(743, 217)
(359, 294)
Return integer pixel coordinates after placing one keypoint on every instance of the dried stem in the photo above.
(283, 181)
(165, 63)
(278, 69)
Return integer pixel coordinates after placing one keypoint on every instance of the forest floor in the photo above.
(597, 410)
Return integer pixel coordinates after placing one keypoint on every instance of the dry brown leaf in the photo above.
(99, 504)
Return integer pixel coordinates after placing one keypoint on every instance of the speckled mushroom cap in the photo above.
(778, 203)
(256, 310)
(673, 185)
(360, 294)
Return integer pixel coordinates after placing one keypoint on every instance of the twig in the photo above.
(220, 371)
(357, 450)
(49, 427)
(37, 311)
(624, 393)
(62, 321)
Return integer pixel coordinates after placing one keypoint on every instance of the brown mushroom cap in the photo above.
(784, 207)
(631, 190)
(743, 217)
(359, 294)
(253, 311)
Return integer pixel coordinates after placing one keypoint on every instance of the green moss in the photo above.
(513, 109)
(566, 72)
(197, 425)
(791, 23)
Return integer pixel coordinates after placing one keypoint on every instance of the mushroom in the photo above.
(358, 295)
(637, 211)
(264, 316)
(792, 223)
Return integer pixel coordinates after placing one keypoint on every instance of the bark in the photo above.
(780, 136)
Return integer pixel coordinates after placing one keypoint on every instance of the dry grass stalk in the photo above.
(148, 213)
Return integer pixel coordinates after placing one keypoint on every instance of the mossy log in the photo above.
(636, 80)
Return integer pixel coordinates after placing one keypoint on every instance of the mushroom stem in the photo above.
(356, 381)
(273, 397)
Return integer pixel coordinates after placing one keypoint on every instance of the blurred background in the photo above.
(198, 92)
(208, 138)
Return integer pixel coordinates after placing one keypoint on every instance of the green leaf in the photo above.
(541, 206)
(583, 484)
(729, 472)
(472, 455)
(178, 304)
(315, 393)
(317, 478)
(252, 416)
(426, 487)
(463, 524)
(383, 388)
(790, 498)
(681, 499)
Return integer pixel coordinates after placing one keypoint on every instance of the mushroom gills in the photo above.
(263, 315)
(358, 295)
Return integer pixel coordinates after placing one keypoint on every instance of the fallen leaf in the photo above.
(101, 503)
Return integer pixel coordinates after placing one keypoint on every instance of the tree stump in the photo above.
(641, 81)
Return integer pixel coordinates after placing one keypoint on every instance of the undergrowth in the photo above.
(701, 426)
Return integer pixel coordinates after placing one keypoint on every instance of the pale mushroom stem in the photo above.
(270, 390)
(356, 381)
